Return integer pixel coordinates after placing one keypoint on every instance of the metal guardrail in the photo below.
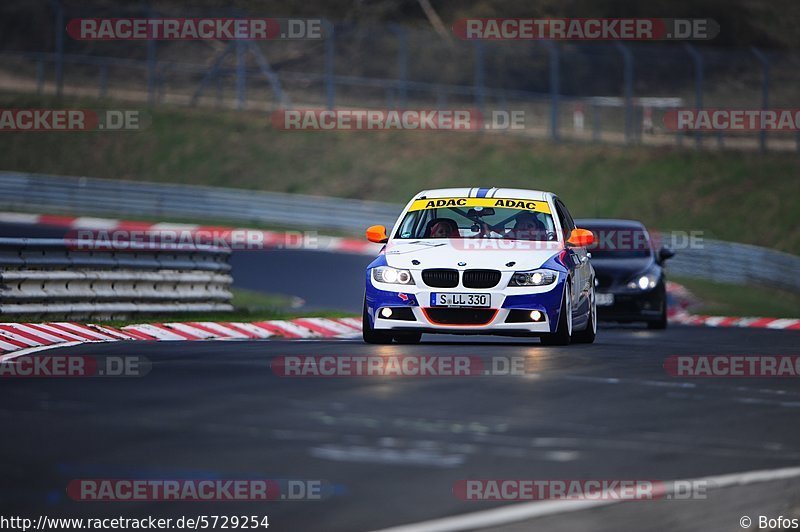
(42, 276)
(712, 259)
(154, 200)
(739, 264)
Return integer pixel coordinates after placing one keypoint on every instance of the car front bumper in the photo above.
(503, 303)
(633, 306)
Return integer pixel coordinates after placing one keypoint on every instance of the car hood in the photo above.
(482, 254)
(622, 267)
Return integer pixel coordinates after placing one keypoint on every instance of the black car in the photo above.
(629, 273)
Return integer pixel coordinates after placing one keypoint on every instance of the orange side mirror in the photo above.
(377, 234)
(580, 238)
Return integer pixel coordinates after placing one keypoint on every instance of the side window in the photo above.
(568, 216)
(563, 219)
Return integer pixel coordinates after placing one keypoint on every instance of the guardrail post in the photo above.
(764, 60)
(698, 86)
(555, 87)
(627, 58)
(330, 59)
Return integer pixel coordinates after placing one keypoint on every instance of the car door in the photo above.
(580, 260)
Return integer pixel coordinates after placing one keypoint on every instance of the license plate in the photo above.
(460, 300)
(604, 300)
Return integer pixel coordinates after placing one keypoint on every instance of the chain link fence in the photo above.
(595, 92)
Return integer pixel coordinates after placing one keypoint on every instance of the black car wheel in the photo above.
(564, 329)
(588, 335)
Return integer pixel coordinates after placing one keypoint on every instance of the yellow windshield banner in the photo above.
(456, 203)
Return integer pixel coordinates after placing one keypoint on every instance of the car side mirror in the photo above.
(580, 238)
(377, 234)
(665, 253)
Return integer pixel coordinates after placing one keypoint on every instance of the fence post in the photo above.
(104, 80)
(330, 57)
(479, 87)
(762, 58)
(555, 87)
(39, 76)
(627, 58)
(151, 64)
(698, 86)
(241, 74)
(59, 12)
(402, 63)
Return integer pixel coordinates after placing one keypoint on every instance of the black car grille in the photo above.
(460, 316)
(440, 278)
(481, 278)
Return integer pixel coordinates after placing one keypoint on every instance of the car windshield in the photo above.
(478, 218)
(619, 242)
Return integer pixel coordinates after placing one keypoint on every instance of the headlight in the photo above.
(533, 278)
(387, 274)
(647, 281)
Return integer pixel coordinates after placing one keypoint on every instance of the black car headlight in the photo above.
(539, 277)
(645, 281)
(387, 274)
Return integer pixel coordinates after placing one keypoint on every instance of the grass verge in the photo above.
(737, 196)
(720, 299)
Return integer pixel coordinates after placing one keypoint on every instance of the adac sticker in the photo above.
(455, 203)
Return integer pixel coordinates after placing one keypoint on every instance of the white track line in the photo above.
(532, 510)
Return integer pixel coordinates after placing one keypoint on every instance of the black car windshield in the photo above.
(478, 222)
(619, 242)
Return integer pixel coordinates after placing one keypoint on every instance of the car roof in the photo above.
(609, 222)
(484, 192)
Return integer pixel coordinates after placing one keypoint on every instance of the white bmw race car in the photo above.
(481, 261)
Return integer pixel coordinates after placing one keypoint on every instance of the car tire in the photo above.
(408, 338)
(563, 329)
(588, 335)
(661, 322)
(370, 335)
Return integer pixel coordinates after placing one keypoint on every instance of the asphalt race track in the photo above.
(391, 449)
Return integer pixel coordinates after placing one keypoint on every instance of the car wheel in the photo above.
(588, 335)
(408, 338)
(370, 335)
(564, 328)
(661, 321)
